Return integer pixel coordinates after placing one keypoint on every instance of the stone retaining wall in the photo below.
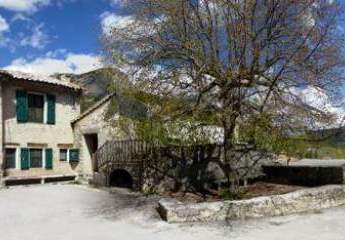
(99, 179)
(305, 200)
(306, 175)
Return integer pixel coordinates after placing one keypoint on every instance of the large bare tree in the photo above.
(237, 61)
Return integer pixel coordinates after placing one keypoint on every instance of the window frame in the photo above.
(14, 160)
(73, 101)
(42, 158)
(67, 155)
(44, 117)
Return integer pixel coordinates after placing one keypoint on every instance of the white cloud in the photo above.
(23, 5)
(317, 98)
(4, 42)
(20, 17)
(3, 24)
(118, 2)
(48, 64)
(38, 39)
(320, 100)
(110, 20)
(4, 27)
(56, 53)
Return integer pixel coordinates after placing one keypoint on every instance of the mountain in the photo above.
(96, 84)
(333, 137)
(323, 144)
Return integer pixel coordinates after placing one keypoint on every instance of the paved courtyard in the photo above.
(66, 212)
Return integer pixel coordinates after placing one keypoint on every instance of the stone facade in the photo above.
(17, 135)
(93, 123)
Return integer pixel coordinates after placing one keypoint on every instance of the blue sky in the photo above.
(47, 36)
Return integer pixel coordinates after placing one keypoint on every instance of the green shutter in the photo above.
(49, 158)
(24, 158)
(74, 155)
(22, 106)
(51, 102)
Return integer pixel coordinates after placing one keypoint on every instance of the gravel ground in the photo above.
(66, 212)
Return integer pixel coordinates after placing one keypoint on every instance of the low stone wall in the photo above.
(305, 200)
(99, 179)
(306, 175)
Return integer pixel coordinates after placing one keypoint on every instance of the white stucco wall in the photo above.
(19, 135)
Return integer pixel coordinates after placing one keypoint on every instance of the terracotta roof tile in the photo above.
(39, 78)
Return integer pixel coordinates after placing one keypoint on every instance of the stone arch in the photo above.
(121, 178)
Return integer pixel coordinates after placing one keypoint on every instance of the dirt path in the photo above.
(72, 212)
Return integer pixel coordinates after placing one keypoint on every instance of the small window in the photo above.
(74, 102)
(10, 158)
(74, 155)
(36, 108)
(36, 158)
(63, 154)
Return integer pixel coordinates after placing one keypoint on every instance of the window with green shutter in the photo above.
(36, 158)
(36, 108)
(10, 158)
(49, 158)
(51, 102)
(74, 155)
(22, 106)
(63, 154)
(24, 158)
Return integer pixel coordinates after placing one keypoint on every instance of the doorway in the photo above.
(91, 143)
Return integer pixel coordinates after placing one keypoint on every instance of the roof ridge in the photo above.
(94, 107)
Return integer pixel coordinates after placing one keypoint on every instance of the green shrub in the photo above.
(228, 195)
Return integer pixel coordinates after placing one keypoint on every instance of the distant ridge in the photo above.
(96, 84)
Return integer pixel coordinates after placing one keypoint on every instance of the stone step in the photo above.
(11, 181)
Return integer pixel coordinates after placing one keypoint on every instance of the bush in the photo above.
(228, 195)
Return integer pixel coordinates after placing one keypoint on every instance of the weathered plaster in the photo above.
(94, 123)
(19, 135)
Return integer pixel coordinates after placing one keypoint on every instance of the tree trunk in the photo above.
(228, 147)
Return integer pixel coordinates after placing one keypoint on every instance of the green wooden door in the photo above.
(49, 158)
(24, 158)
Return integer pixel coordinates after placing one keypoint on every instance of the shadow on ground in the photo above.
(122, 203)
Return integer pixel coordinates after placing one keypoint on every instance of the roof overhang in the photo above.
(15, 75)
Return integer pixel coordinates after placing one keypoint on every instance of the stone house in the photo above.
(36, 135)
(91, 131)
(43, 135)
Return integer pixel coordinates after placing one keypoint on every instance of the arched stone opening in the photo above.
(120, 178)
